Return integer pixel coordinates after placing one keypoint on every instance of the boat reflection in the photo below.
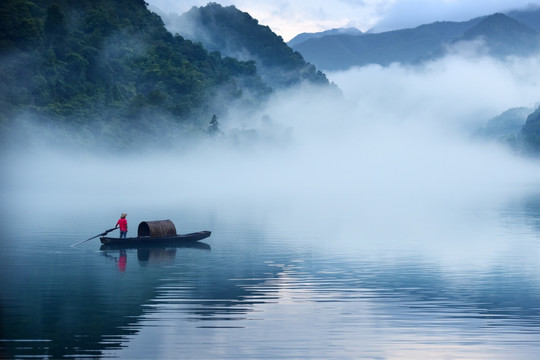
(147, 253)
(157, 255)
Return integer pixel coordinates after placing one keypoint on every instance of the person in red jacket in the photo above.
(122, 222)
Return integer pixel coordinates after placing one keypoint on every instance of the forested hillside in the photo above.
(109, 69)
(236, 34)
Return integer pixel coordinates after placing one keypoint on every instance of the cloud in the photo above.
(290, 18)
(397, 147)
(411, 13)
(401, 137)
(459, 90)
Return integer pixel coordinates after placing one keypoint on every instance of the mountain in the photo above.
(109, 69)
(529, 17)
(531, 133)
(306, 36)
(507, 126)
(338, 52)
(501, 36)
(517, 127)
(504, 36)
(236, 34)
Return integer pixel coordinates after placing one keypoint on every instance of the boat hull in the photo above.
(159, 245)
(140, 240)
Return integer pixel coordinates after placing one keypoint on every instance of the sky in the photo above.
(289, 18)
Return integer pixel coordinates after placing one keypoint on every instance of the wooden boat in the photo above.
(157, 244)
(196, 236)
(156, 232)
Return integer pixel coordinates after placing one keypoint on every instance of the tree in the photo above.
(213, 128)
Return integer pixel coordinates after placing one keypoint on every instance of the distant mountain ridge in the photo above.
(504, 36)
(339, 52)
(529, 17)
(501, 35)
(306, 36)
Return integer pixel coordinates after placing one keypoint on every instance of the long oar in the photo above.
(93, 237)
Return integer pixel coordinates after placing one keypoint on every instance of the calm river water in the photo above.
(301, 285)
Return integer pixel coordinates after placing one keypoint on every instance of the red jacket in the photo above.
(123, 224)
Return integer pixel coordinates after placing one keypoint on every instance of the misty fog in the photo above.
(397, 149)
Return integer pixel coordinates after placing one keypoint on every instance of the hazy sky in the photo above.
(289, 18)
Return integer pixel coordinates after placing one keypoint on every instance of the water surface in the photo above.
(262, 287)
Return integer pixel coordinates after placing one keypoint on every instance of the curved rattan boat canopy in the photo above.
(157, 228)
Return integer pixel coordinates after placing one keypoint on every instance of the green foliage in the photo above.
(236, 34)
(106, 65)
(20, 24)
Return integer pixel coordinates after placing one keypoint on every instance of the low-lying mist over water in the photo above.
(398, 141)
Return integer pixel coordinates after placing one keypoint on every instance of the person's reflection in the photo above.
(122, 260)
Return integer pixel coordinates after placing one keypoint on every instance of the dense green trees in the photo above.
(236, 34)
(109, 66)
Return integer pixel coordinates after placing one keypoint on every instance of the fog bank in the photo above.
(397, 147)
